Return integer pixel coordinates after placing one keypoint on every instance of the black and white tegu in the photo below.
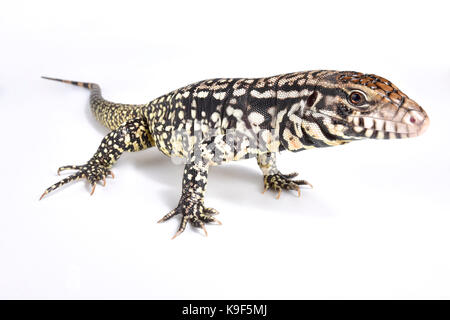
(220, 120)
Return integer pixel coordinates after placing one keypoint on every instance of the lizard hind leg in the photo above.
(131, 136)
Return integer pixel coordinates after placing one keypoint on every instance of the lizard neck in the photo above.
(297, 98)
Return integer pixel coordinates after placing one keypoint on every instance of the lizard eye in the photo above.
(356, 98)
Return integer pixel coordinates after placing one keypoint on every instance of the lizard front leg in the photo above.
(131, 136)
(191, 206)
(274, 179)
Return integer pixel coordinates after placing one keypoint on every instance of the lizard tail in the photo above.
(109, 114)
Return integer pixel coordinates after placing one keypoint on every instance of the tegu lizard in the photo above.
(220, 120)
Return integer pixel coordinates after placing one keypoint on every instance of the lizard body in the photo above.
(220, 120)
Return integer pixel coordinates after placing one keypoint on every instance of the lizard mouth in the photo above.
(412, 124)
(407, 124)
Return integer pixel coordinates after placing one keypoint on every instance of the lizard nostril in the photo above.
(412, 119)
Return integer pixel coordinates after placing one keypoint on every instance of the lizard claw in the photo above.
(43, 195)
(93, 189)
(279, 194)
(204, 229)
(176, 234)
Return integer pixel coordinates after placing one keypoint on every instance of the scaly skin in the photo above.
(216, 121)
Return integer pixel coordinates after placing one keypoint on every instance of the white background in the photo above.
(376, 224)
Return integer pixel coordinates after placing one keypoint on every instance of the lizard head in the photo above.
(354, 106)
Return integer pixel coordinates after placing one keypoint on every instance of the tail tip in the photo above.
(48, 78)
(86, 85)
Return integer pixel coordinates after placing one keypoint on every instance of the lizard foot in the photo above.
(279, 182)
(91, 171)
(193, 212)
